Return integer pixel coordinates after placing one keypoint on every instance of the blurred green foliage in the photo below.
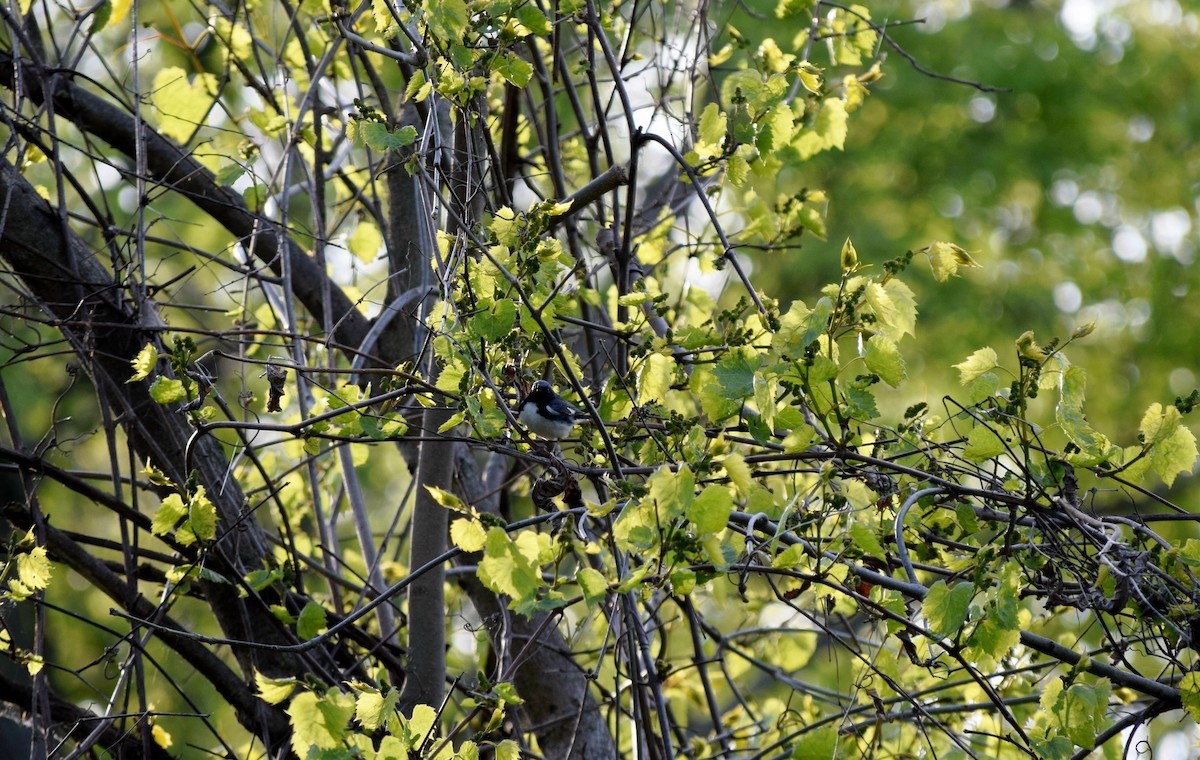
(1076, 188)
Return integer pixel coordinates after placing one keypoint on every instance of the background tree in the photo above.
(304, 260)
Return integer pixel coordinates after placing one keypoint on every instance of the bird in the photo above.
(545, 413)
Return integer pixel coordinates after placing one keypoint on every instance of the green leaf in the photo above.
(100, 18)
(143, 363)
(373, 708)
(983, 443)
(711, 133)
(495, 322)
(182, 105)
(377, 136)
(801, 326)
(711, 509)
(976, 364)
(319, 722)
(827, 131)
(311, 621)
(366, 241)
(508, 750)
(861, 402)
(1071, 418)
(683, 582)
(1174, 455)
(671, 492)
(738, 472)
(447, 19)
(167, 516)
(884, 359)
(1189, 692)
(255, 196)
(384, 428)
(1081, 709)
(533, 19)
(515, 69)
(202, 517)
(735, 372)
(593, 585)
(166, 390)
(895, 308)
(993, 639)
(946, 609)
(229, 174)
(821, 744)
(810, 77)
(33, 574)
(467, 535)
(669, 495)
(274, 691)
(261, 579)
(775, 128)
(946, 258)
(654, 380)
(864, 538)
(507, 569)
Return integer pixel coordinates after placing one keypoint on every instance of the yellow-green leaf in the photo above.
(810, 77)
(143, 363)
(1071, 418)
(167, 516)
(658, 372)
(33, 574)
(167, 390)
(983, 360)
(827, 131)
(33, 663)
(274, 691)
(1189, 693)
(884, 359)
(373, 708)
(711, 133)
(467, 535)
(983, 443)
(946, 608)
(864, 538)
(946, 258)
(202, 516)
(739, 472)
(319, 722)
(366, 240)
(592, 583)
(1159, 423)
(311, 621)
(448, 19)
(505, 569)
(1174, 455)
(895, 308)
(710, 510)
(182, 104)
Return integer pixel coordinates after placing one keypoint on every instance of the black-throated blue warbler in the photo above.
(545, 413)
